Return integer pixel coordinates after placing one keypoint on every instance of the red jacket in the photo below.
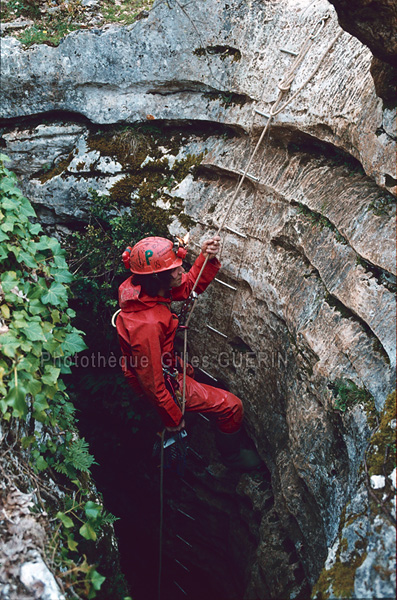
(146, 328)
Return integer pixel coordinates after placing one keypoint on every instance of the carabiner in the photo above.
(320, 26)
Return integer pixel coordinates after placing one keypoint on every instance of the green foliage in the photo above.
(383, 205)
(227, 99)
(95, 254)
(51, 27)
(76, 458)
(80, 520)
(347, 394)
(38, 339)
(124, 11)
(37, 344)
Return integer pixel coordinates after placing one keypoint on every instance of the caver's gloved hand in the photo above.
(178, 428)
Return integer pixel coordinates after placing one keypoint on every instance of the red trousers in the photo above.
(226, 407)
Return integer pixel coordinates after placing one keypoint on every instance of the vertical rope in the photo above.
(161, 514)
(184, 369)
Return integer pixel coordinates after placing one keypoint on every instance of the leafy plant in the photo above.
(95, 253)
(80, 520)
(347, 394)
(37, 343)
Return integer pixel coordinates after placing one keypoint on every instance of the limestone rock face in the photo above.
(167, 67)
(307, 339)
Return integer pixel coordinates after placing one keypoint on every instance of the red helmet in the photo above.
(153, 255)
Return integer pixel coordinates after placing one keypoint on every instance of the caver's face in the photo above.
(176, 276)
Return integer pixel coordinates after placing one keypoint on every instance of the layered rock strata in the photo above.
(308, 244)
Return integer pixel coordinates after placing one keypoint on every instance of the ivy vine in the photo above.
(37, 345)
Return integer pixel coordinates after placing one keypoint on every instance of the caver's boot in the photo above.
(233, 455)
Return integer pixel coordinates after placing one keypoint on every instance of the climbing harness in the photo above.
(175, 445)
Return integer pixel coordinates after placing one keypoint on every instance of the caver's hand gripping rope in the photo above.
(189, 305)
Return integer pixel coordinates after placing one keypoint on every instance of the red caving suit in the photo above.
(146, 328)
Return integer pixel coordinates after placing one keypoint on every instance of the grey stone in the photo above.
(36, 577)
(112, 74)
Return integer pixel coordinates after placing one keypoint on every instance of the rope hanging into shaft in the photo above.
(161, 515)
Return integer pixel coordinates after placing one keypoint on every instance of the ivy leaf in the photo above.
(26, 208)
(27, 259)
(72, 544)
(3, 236)
(62, 275)
(5, 311)
(97, 580)
(9, 344)
(38, 290)
(35, 228)
(47, 243)
(55, 316)
(41, 463)
(27, 441)
(73, 343)
(53, 347)
(60, 262)
(16, 399)
(66, 521)
(34, 333)
(88, 532)
(8, 204)
(34, 387)
(92, 510)
(9, 280)
(8, 186)
(51, 375)
(37, 348)
(57, 294)
(8, 225)
(40, 403)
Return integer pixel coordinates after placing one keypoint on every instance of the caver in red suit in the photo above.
(146, 328)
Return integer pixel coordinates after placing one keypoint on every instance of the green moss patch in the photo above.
(340, 578)
(316, 218)
(381, 455)
(227, 98)
(139, 204)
